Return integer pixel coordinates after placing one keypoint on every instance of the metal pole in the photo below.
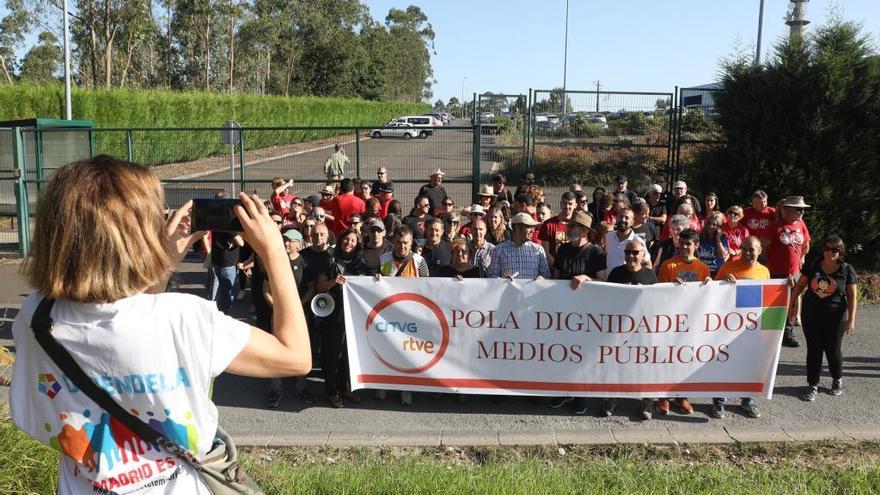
(475, 166)
(565, 61)
(760, 29)
(357, 152)
(68, 107)
(232, 167)
(128, 145)
(241, 155)
(598, 87)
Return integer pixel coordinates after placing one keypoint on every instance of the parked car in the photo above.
(437, 119)
(397, 129)
(425, 123)
(486, 117)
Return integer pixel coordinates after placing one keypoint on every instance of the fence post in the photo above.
(533, 97)
(242, 185)
(676, 150)
(128, 152)
(475, 171)
(357, 152)
(38, 157)
(21, 199)
(91, 143)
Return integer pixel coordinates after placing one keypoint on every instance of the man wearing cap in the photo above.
(787, 242)
(554, 232)
(679, 191)
(334, 167)
(527, 182)
(499, 187)
(375, 245)
(343, 206)
(658, 207)
(383, 178)
(328, 192)
(473, 212)
(621, 182)
(293, 243)
(519, 257)
(434, 191)
(487, 196)
(386, 195)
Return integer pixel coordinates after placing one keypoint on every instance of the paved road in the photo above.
(483, 420)
(412, 160)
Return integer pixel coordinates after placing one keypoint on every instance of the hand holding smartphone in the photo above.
(216, 215)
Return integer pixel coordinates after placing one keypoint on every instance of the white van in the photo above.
(424, 122)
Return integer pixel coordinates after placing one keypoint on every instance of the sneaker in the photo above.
(810, 394)
(273, 400)
(646, 411)
(406, 398)
(557, 403)
(684, 406)
(663, 406)
(580, 407)
(306, 396)
(837, 387)
(717, 411)
(381, 394)
(335, 401)
(352, 397)
(751, 408)
(608, 406)
(789, 341)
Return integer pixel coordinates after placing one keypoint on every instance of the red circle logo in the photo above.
(416, 298)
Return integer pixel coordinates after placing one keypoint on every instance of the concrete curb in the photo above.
(595, 436)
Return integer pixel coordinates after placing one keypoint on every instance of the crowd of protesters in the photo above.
(356, 227)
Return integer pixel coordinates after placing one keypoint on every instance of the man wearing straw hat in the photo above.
(434, 191)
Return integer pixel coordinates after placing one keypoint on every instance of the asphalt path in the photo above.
(410, 163)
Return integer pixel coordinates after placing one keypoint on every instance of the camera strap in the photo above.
(41, 323)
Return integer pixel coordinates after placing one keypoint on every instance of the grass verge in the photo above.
(852, 468)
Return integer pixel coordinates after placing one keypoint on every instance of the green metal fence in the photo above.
(196, 162)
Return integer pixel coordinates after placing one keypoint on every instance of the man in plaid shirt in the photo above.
(519, 257)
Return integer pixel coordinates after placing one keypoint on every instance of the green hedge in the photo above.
(164, 109)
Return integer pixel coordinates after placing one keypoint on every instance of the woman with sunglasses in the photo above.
(829, 312)
(736, 232)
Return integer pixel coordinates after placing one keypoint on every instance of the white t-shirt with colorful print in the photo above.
(155, 355)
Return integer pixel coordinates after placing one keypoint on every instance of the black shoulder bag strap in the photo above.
(41, 323)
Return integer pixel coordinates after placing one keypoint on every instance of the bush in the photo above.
(126, 108)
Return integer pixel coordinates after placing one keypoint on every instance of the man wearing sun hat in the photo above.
(487, 196)
(787, 241)
(520, 258)
(434, 191)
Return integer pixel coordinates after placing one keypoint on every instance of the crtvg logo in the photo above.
(397, 326)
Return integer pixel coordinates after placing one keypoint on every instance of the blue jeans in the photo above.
(225, 288)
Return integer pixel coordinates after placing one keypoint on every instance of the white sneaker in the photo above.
(406, 398)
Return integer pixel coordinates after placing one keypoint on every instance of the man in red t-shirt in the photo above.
(555, 230)
(759, 216)
(281, 198)
(344, 205)
(787, 242)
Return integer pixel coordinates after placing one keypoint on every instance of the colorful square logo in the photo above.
(48, 385)
(771, 299)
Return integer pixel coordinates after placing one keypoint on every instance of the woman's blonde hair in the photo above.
(99, 232)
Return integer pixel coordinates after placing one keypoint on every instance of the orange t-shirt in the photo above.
(742, 271)
(677, 267)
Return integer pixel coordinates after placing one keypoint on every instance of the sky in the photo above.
(510, 46)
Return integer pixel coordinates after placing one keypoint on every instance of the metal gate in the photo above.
(590, 136)
(502, 120)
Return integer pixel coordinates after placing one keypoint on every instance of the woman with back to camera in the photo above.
(104, 252)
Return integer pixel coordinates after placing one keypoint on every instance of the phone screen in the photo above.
(215, 214)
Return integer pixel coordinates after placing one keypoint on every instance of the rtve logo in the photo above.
(407, 332)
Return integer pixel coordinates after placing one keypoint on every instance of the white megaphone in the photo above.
(322, 305)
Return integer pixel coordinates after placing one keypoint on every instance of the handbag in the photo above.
(219, 470)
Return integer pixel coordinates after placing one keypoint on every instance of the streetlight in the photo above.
(760, 26)
(565, 60)
(462, 96)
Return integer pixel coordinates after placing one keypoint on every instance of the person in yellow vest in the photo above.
(401, 262)
(745, 268)
(334, 167)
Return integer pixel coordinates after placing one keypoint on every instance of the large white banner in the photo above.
(494, 336)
